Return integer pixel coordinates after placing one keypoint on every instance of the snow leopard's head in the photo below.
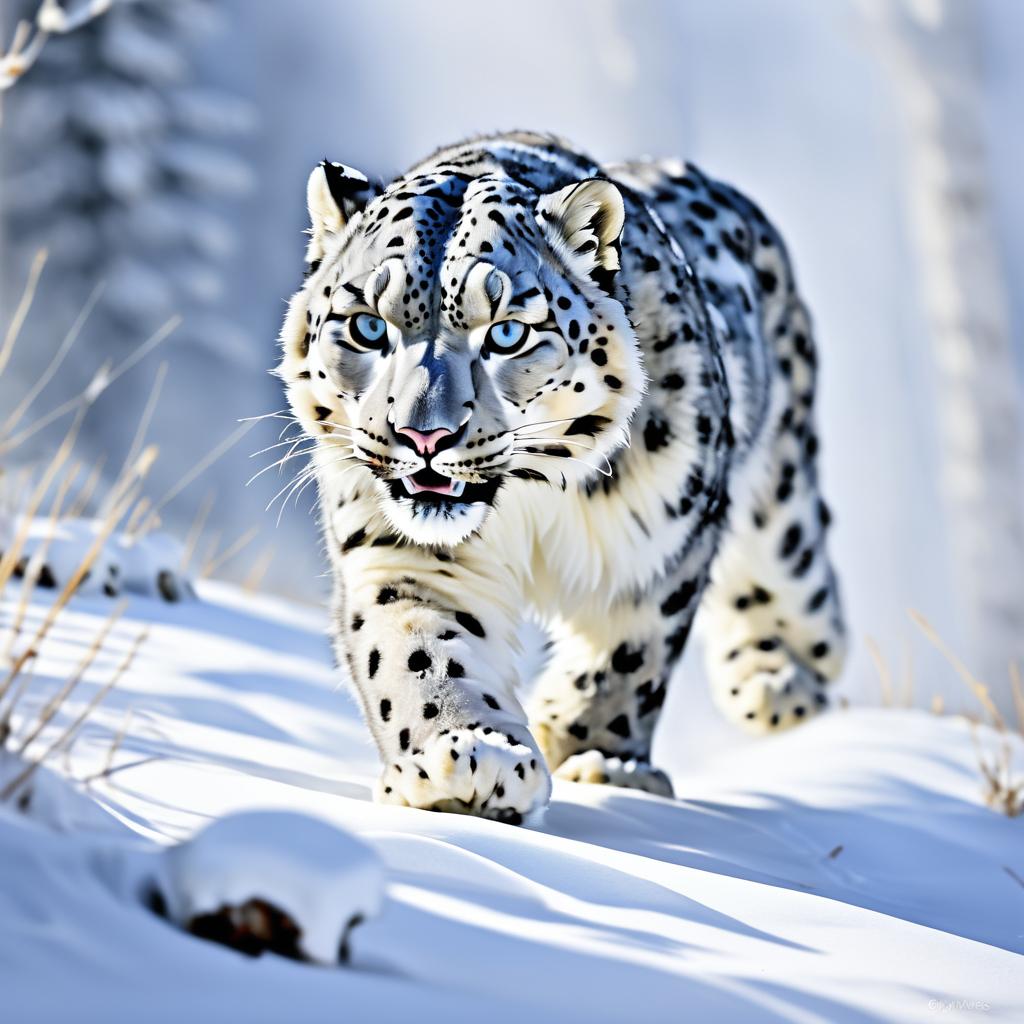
(457, 334)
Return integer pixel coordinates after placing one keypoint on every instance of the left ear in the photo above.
(334, 193)
(583, 223)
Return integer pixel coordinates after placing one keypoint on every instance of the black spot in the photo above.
(651, 264)
(818, 598)
(620, 726)
(403, 739)
(357, 623)
(430, 710)
(599, 357)
(579, 731)
(589, 426)
(470, 623)
(491, 702)
(767, 280)
(656, 433)
(455, 669)
(385, 709)
(419, 661)
(613, 382)
(625, 661)
(679, 598)
(820, 649)
(353, 540)
(790, 540)
(374, 662)
(702, 210)
(387, 595)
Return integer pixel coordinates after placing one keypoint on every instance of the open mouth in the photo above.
(428, 486)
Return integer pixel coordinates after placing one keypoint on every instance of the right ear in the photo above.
(334, 193)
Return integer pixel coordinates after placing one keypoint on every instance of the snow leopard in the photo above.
(542, 387)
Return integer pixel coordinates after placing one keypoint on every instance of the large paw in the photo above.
(772, 699)
(482, 770)
(593, 766)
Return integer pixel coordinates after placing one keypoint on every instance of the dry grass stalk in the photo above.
(978, 688)
(1002, 790)
(198, 469)
(12, 556)
(47, 375)
(31, 579)
(56, 702)
(144, 421)
(260, 568)
(68, 735)
(82, 498)
(1017, 686)
(127, 492)
(21, 311)
(195, 531)
(101, 380)
(884, 674)
(213, 564)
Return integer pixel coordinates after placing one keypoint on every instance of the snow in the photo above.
(150, 565)
(846, 871)
(324, 879)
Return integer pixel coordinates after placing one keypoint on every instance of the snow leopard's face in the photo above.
(455, 334)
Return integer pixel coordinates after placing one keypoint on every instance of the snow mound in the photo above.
(150, 565)
(247, 870)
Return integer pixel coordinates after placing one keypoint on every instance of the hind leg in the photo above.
(774, 626)
(594, 709)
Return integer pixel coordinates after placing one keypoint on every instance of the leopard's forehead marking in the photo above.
(441, 227)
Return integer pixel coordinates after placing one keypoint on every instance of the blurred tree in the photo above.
(115, 161)
(934, 47)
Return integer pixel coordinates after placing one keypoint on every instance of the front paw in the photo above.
(594, 767)
(493, 773)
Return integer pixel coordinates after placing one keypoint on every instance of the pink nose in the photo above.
(425, 443)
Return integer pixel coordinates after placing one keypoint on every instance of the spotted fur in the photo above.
(650, 449)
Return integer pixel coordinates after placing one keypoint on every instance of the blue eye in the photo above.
(368, 330)
(507, 336)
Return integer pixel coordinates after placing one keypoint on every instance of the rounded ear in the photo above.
(583, 223)
(334, 193)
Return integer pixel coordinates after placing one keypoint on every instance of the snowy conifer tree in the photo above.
(114, 161)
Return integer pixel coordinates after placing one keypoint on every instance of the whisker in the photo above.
(541, 423)
(562, 440)
(293, 441)
(603, 471)
(277, 414)
(283, 460)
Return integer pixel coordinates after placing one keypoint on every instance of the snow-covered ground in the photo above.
(846, 871)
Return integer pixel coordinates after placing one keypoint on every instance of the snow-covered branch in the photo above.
(51, 19)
